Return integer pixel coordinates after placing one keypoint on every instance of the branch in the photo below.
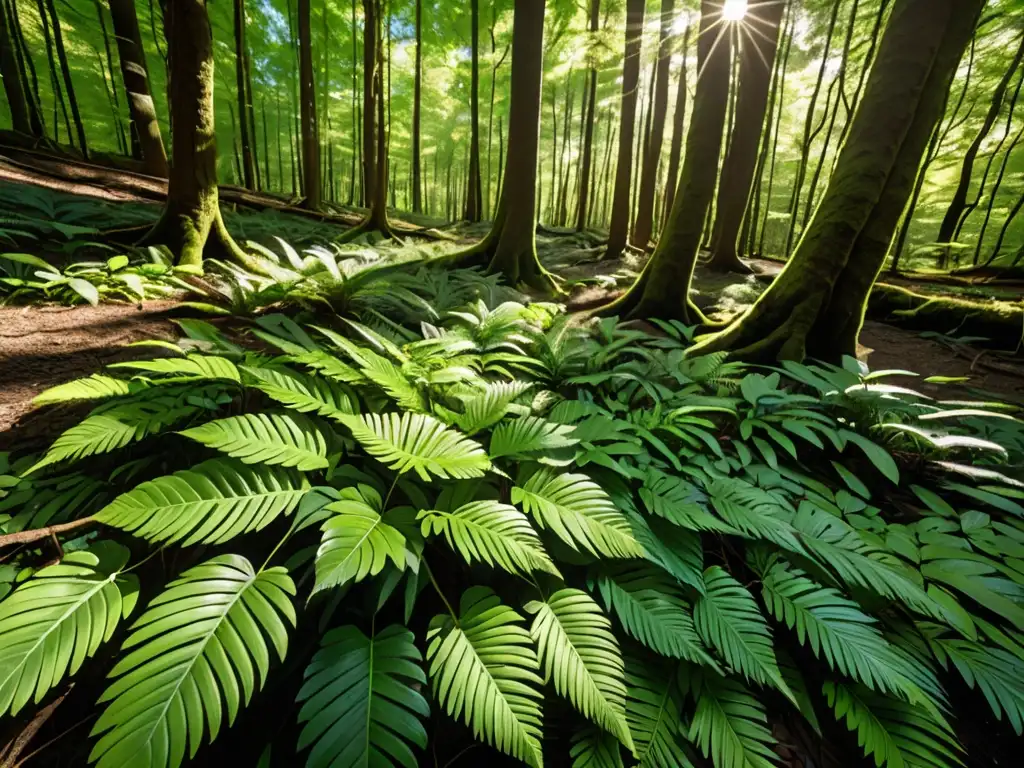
(37, 534)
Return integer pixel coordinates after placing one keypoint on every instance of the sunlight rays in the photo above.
(736, 18)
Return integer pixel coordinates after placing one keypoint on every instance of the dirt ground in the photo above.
(43, 346)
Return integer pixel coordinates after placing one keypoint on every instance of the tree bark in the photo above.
(27, 68)
(809, 131)
(355, 91)
(642, 229)
(417, 88)
(369, 107)
(618, 230)
(663, 287)
(588, 129)
(474, 193)
(11, 74)
(122, 140)
(191, 221)
(145, 127)
(995, 192)
(734, 188)
(816, 305)
(69, 87)
(678, 122)
(307, 103)
(947, 230)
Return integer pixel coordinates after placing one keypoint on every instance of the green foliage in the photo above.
(620, 570)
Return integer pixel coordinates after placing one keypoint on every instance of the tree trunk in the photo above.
(678, 121)
(643, 140)
(776, 132)
(663, 287)
(474, 192)
(734, 188)
(355, 38)
(619, 228)
(588, 129)
(191, 220)
(307, 103)
(58, 94)
(250, 109)
(27, 68)
(642, 229)
(145, 127)
(417, 88)
(122, 140)
(62, 57)
(563, 176)
(816, 305)
(809, 131)
(994, 193)
(11, 74)
(369, 107)
(947, 230)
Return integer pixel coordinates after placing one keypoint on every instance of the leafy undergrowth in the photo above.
(376, 542)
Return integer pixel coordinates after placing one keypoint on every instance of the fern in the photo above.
(490, 532)
(306, 394)
(419, 443)
(218, 617)
(488, 407)
(654, 713)
(580, 654)
(60, 617)
(595, 748)
(485, 671)
(529, 434)
(836, 629)
(357, 542)
(996, 672)
(191, 368)
(265, 438)
(578, 512)
(731, 726)
(361, 703)
(209, 504)
(749, 509)
(893, 732)
(95, 387)
(727, 618)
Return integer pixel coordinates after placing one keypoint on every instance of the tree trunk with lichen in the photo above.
(734, 188)
(145, 127)
(816, 305)
(661, 290)
(191, 223)
(510, 248)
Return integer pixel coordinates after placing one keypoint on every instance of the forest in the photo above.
(590, 383)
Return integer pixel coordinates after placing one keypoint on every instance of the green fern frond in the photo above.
(357, 542)
(488, 407)
(218, 618)
(95, 387)
(652, 609)
(361, 700)
(680, 502)
(595, 748)
(996, 672)
(891, 731)
(287, 439)
(58, 618)
(749, 509)
(209, 504)
(581, 655)
(490, 532)
(191, 368)
(415, 441)
(728, 619)
(654, 713)
(529, 434)
(306, 394)
(579, 512)
(676, 550)
(836, 629)
(730, 725)
(485, 672)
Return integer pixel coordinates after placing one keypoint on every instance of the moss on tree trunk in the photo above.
(816, 305)
(661, 291)
(191, 223)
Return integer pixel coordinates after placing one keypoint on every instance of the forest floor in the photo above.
(44, 345)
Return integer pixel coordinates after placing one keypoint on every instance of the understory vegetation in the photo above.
(386, 540)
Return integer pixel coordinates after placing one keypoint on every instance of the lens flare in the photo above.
(734, 10)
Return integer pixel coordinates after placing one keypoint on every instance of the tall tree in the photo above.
(417, 94)
(369, 105)
(756, 60)
(816, 305)
(510, 248)
(952, 217)
(69, 86)
(11, 74)
(661, 290)
(145, 128)
(474, 192)
(618, 230)
(307, 101)
(588, 121)
(678, 122)
(642, 228)
(191, 223)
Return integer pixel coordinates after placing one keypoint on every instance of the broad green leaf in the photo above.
(287, 439)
